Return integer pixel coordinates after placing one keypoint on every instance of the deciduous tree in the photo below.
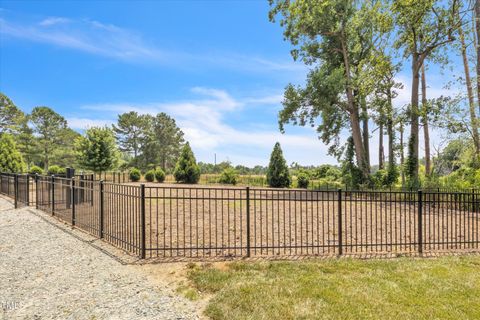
(10, 115)
(423, 26)
(97, 150)
(10, 158)
(338, 36)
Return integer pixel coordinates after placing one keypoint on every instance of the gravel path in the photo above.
(47, 273)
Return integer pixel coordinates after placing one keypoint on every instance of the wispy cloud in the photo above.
(53, 21)
(104, 39)
(85, 123)
(203, 120)
(84, 35)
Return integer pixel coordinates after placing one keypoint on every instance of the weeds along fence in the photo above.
(198, 222)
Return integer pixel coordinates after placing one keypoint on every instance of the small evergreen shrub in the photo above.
(302, 180)
(150, 175)
(277, 172)
(135, 175)
(56, 170)
(159, 175)
(35, 170)
(229, 176)
(186, 169)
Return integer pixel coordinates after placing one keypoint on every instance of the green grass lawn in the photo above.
(404, 288)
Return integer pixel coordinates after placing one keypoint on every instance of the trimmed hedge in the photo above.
(56, 170)
(159, 175)
(35, 170)
(150, 175)
(135, 175)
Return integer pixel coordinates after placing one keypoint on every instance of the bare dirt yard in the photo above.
(220, 221)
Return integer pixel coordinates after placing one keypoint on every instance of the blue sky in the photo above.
(218, 67)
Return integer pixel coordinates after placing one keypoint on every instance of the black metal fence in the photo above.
(182, 221)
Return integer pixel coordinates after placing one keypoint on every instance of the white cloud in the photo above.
(434, 89)
(85, 123)
(84, 35)
(53, 21)
(203, 121)
(272, 99)
(112, 41)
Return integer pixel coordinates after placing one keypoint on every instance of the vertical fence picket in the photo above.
(142, 222)
(72, 199)
(248, 221)
(420, 221)
(101, 213)
(15, 190)
(340, 224)
(53, 194)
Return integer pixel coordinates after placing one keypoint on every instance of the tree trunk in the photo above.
(390, 132)
(402, 154)
(426, 132)
(381, 155)
(477, 29)
(354, 113)
(414, 126)
(365, 131)
(471, 100)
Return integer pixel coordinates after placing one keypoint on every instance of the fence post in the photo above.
(420, 221)
(36, 190)
(142, 221)
(27, 188)
(100, 229)
(15, 190)
(248, 222)
(72, 198)
(53, 194)
(340, 224)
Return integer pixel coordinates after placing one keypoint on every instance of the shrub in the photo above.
(159, 175)
(186, 169)
(302, 180)
(135, 174)
(56, 170)
(35, 170)
(277, 172)
(379, 179)
(10, 158)
(150, 175)
(229, 176)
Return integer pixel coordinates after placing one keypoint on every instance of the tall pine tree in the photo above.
(277, 172)
(186, 169)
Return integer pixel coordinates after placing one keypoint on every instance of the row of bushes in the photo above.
(51, 170)
(151, 175)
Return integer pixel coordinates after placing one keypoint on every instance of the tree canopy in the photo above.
(10, 158)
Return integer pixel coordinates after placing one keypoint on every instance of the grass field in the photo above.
(406, 288)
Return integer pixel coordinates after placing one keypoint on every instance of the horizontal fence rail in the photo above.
(197, 222)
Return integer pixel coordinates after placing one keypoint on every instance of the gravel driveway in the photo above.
(46, 272)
